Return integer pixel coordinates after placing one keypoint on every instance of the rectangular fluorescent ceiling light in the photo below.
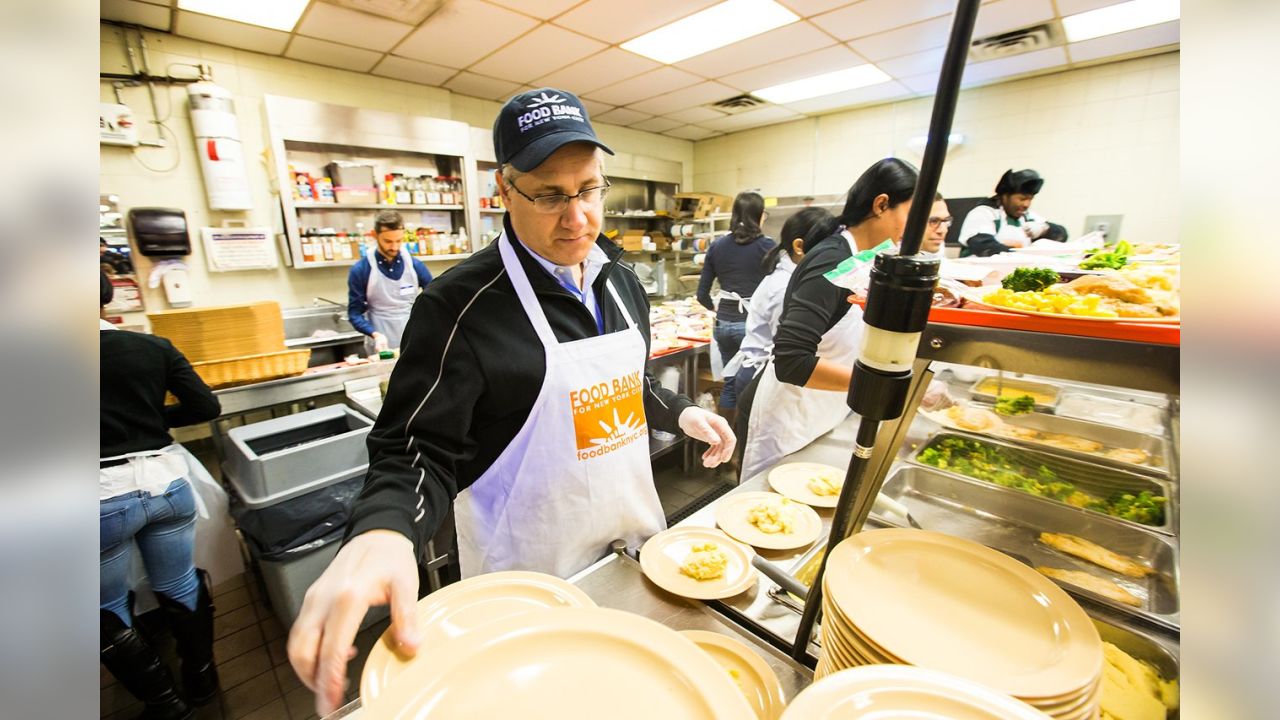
(824, 84)
(715, 27)
(274, 14)
(1119, 18)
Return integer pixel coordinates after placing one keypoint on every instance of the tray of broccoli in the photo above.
(1110, 491)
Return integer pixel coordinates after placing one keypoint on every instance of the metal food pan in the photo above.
(1011, 522)
(1141, 646)
(1012, 386)
(1098, 480)
(1110, 411)
(1110, 436)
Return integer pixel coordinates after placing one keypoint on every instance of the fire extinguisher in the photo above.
(213, 119)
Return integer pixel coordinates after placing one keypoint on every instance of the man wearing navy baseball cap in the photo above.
(521, 400)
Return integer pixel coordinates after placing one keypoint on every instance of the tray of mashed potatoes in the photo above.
(698, 562)
(1141, 675)
(768, 521)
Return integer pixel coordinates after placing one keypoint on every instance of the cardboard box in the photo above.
(355, 195)
(660, 240)
(698, 205)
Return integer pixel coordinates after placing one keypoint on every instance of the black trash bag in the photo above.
(305, 523)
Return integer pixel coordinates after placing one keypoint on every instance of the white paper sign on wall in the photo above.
(239, 248)
(115, 125)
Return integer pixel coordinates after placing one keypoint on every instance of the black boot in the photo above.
(135, 664)
(193, 631)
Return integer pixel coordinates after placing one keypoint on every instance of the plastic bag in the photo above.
(278, 529)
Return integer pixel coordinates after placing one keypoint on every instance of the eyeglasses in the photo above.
(936, 221)
(557, 203)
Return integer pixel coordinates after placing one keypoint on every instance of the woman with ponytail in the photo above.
(801, 393)
(765, 307)
(735, 261)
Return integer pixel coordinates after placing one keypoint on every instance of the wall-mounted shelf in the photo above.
(492, 211)
(369, 206)
(309, 135)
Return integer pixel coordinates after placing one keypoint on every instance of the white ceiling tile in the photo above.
(329, 22)
(462, 32)
(914, 64)
(807, 8)
(136, 13)
(836, 57)
(594, 108)
(787, 41)
(409, 12)
(1075, 7)
(545, 49)
(691, 132)
(545, 9)
(1126, 42)
(227, 32)
(699, 94)
(852, 98)
(482, 87)
(1006, 15)
(621, 116)
(657, 124)
(752, 118)
(695, 115)
(1014, 65)
(413, 71)
(323, 52)
(642, 87)
(614, 21)
(872, 16)
(926, 35)
(927, 83)
(606, 68)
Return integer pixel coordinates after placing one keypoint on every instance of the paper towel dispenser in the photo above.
(160, 231)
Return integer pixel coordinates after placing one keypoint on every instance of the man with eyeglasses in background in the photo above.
(521, 400)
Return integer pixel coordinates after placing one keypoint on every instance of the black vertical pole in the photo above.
(878, 396)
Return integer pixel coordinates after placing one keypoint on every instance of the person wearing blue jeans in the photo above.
(144, 497)
(735, 262)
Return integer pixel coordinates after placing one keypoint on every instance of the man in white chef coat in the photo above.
(1005, 221)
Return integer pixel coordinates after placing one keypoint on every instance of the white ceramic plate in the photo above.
(900, 691)
(733, 516)
(792, 480)
(662, 555)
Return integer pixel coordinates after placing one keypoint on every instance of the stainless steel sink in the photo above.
(324, 329)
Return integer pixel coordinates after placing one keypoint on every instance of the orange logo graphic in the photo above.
(608, 415)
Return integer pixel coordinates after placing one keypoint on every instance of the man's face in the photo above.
(935, 232)
(389, 243)
(564, 238)
(1016, 204)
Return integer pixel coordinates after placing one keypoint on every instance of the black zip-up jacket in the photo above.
(468, 376)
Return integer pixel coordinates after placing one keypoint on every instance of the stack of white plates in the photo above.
(912, 597)
(900, 691)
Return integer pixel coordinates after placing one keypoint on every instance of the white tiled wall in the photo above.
(1105, 138)
(249, 76)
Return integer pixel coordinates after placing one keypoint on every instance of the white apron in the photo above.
(577, 474)
(390, 300)
(785, 417)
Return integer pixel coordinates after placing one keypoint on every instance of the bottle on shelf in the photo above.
(389, 189)
(433, 190)
(419, 189)
(403, 195)
(464, 243)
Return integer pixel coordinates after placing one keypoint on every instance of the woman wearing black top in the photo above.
(801, 395)
(736, 261)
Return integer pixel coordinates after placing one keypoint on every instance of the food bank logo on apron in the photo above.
(608, 415)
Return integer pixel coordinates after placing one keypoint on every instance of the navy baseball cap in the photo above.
(534, 124)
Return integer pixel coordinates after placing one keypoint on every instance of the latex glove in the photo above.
(375, 568)
(379, 342)
(1037, 230)
(936, 397)
(710, 428)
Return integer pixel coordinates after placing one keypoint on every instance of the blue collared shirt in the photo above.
(358, 285)
(595, 262)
